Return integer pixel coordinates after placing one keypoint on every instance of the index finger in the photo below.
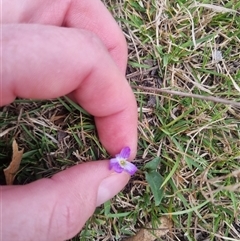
(83, 14)
(43, 62)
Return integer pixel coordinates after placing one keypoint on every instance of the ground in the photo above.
(189, 140)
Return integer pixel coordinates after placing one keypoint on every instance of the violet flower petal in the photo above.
(125, 153)
(130, 168)
(114, 164)
(120, 163)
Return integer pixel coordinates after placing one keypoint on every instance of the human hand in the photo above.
(55, 48)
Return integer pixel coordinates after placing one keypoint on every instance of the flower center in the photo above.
(122, 162)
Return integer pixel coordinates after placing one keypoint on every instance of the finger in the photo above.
(57, 208)
(43, 62)
(98, 20)
(84, 14)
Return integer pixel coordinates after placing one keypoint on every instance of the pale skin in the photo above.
(75, 48)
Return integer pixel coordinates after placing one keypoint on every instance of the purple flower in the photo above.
(120, 163)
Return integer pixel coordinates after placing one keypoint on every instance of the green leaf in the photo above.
(107, 208)
(154, 179)
(137, 65)
(117, 215)
(153, 165)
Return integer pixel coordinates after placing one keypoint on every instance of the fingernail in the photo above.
(111, 186)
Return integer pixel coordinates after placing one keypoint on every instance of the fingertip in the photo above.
(119, 130)
(110, 186)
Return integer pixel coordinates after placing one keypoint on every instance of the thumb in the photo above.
(57, 208)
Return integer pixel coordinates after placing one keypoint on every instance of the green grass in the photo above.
(188, 149)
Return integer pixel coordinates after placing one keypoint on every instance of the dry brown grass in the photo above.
(173, 46)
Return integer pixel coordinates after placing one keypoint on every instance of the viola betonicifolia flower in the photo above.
(120, 163)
